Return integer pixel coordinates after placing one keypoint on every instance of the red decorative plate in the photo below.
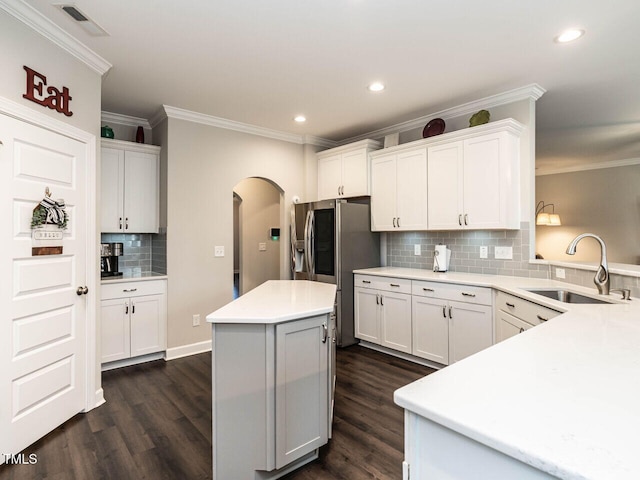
(434, 127)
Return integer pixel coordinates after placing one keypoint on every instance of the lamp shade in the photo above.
(554, 220)
(543, 219)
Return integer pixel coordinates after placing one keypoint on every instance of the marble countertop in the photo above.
(278, 301)
(135, 277)
(562, 397)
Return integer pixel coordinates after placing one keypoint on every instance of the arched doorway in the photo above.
(257, 211)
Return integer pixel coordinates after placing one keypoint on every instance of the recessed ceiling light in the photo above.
(300, 118)
(569, 35)
(376, 87)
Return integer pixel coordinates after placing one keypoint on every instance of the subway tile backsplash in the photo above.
(137, 252)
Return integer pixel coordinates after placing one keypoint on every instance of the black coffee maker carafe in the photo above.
(109, 253)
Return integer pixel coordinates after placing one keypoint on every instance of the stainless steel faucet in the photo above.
(602, 274)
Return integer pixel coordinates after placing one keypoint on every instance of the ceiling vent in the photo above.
(82, 19)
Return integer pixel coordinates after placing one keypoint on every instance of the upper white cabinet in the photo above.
(130, 177)
(399, 191)
(344, 171)
(475, 183)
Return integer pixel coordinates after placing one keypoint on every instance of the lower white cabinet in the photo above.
(515, 315)
(430, 330)
(470, 329)
(133, 319)
(383, 312)
(271, 389)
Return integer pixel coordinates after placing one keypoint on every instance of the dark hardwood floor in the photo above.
(156, 424)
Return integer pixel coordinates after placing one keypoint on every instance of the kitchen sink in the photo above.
(567, 296)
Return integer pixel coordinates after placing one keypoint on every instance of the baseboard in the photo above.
(402, 355)
(132, 361)
(99, 398)
(186, 350)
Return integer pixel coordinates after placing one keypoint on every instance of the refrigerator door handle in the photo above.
(292, 238)
(308, 243)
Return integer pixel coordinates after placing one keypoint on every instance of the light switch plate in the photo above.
(219, 251)
(262, 247)
(484, 252)
(560, 273)
(504, 253)
(416, 249)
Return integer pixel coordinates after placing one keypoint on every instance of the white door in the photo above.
(482, 190)
(43, 326)
(355, 178)
(383, 193)
(430, 326)
(112, 190)
(367, 314)
(470, 329)
(444, 192)
(508, 326)
(141, 199)
(395, 321)
(412, 196)
(329, 177)
(114, 327)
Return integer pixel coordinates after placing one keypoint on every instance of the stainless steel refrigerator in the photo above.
(330, 239)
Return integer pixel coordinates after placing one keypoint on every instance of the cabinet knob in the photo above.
(82, 291)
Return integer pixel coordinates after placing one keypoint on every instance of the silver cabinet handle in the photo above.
(126, 223)
(450, 310)
(126, 308)
(510, 305)
(377, 299)
(130, 290)
(428, 289)
(521, 329)
(468, 294)
(542, 319)
(338, 190)
(394, 285)
(325, 332)
(82, 290)
(466, 219)
(460, 219)
(366, 281)
(381, 300)
(444, 311)
(398, 222)
(394, 222)
(120, 223)
(133, 307)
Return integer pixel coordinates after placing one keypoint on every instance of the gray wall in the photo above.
(603, 201)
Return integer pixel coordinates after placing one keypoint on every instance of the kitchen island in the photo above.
(273, 355)
(557, 401)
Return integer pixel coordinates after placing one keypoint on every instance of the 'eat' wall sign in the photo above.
(53, 98)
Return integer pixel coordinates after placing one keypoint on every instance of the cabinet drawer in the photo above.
(133, 289)
(449, 291)
(524, 309)
(388, 284)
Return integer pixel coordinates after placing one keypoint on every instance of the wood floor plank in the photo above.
(156, 425)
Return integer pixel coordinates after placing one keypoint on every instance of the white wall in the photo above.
(204, 164)
(259, 211)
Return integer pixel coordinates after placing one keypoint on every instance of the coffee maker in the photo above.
(109, 253)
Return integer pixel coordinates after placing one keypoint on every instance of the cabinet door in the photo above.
(111, 190)
(444, 191)
(395, 321)
(114, 329)
(355, 173)
(470, 329)
(367, 313)
(148, 324)
(508, 326)
(411, 211)
(329, 177)
(141, 192)
(302, 349)
(430, 327)
(483, 202)
(383, 193)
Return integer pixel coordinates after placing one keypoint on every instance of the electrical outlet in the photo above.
(219, 251)
(262, 247)
(560, 273)
(484, 252)
(504, 253)
(196, 320)
(416, 249)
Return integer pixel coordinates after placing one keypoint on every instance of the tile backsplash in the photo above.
(465, 251)
(137, 252)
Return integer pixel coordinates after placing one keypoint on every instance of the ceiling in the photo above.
(262, 63)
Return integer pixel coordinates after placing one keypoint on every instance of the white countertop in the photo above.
(137, 277)
(563, 397)
(278, 301)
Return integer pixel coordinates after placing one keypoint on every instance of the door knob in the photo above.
(82, 291)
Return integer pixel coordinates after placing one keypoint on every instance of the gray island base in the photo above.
(273, 355)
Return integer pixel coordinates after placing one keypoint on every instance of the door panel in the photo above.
(383, 193)
(395, 322)
(355, 179)
(112, 190)
(482, 202)
(412, 197)
(43, 339)
(367, 315)
(115, 330)
(430, 329)
(141, 192)
(147, 332)
(444, 191)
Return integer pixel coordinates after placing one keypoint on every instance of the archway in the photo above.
(257, 212)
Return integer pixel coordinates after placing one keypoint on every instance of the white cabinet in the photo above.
(515, 315)
(383, 311)
(474, 183)
(129, 179)
(271, 395)
(133, 319)
(399, 191)
(450, 322)
(344, 171)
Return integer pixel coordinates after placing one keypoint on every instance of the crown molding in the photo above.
(126, 120)
(590, 166)
(45, 27)
(529, 92)
(130, 146)
(319, 141)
